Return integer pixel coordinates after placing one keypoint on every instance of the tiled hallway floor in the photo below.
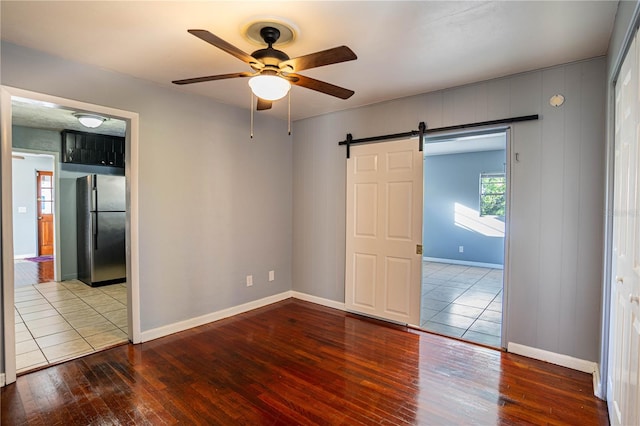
(59, 321)
(462, 301)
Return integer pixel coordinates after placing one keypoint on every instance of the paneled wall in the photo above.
(557, 195)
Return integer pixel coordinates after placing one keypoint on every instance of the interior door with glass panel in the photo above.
(45, 212)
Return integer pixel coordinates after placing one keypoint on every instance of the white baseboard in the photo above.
(464, 262)
(2, 380)
(211, 317)
(319, 300)
(585, 366)
(554, 358)
(235, 310)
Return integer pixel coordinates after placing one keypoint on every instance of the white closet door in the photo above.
(384, 228)
(623, 391)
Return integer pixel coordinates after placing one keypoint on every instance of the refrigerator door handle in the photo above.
(94, 199)
(95, 231)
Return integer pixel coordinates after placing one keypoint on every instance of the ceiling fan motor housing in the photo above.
(270, 56)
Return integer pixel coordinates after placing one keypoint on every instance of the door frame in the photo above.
(601, 378)
(510, 157)
(39, 188)
(132, 228)
(55, 157)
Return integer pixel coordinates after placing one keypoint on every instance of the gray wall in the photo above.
(25, 224)
(36, 139)
(451, 179)
(214, 204)
(557, 195)
(68, 231)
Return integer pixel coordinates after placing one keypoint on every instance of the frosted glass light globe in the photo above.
(269, 87)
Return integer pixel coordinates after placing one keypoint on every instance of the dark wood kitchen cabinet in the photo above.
(92, 148)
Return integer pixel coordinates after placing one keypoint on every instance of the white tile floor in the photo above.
(462, 301)
(60, 321)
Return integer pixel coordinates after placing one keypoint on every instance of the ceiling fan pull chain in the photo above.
(289, 114)
(251, 109)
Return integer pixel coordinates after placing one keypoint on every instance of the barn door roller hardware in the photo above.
(350, 141)
(422, 130)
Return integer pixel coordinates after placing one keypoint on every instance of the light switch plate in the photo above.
(249, 280)
(22, 209)
(272, 275)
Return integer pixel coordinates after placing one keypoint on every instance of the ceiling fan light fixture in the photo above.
(90, 120)
(269, 87)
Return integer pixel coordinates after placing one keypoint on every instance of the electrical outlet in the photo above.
(272, 275)
(460, 249)
(249, 280)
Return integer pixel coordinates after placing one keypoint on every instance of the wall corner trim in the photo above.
(2, 380)
(585, 366)
(211, 317)
(597, 384)
(318, 300)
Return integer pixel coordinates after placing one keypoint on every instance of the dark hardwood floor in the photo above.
(299, 363)
(26, 272)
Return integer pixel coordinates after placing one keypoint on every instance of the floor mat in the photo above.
(39, 258)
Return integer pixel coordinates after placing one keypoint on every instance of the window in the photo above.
(492, 194)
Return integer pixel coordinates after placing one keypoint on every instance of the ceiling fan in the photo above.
(272, 68)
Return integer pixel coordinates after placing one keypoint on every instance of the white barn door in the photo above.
(384, 229)
(623, 392)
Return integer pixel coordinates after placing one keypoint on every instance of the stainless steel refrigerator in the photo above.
(101, 219)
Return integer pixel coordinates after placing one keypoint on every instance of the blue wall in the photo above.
(451, 203)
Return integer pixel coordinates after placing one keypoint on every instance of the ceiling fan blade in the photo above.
(213, 77)
(263, 104)
(321, 86)
(227, 47)
(319, 59)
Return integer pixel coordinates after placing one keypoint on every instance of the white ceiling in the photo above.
(403, 48)
(466, 144)
(29, 113)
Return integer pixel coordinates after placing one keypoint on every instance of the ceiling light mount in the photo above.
(253, 31)
(91, 121)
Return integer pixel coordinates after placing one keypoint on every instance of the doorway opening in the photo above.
(464, 227)
(53, 318)
(33, 221)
